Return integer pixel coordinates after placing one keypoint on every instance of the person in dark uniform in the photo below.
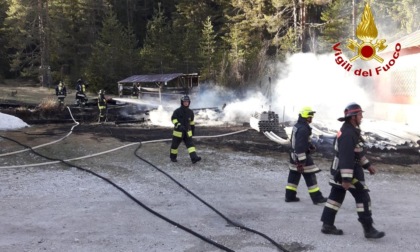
(120, 89)
(184, 127)
(61, 92)
(135, 91)
(301, 163)
(81, 98)
(347, 175)
(102, 105)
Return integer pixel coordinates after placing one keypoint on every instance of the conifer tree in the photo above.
(338, 24)
(23, 37)
(208, 51)
(113, 57)
(4, 63)
(406, 14)
(156, 54)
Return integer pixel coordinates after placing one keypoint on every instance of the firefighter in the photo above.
(102, 105)
(347, 175)
(301, 163)
(80, 92)
(183, 120)
(120, 89)
(61, 92)
(135, 91)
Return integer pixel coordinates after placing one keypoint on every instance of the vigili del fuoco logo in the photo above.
(367, 49)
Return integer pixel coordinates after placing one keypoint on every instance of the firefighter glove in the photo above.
(299, 167)
(181, 127)
(312, 148)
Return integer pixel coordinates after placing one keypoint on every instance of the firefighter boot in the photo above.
(371, 232)
(173, 157)
(295, 199)
(331, 229)
(290, 195)
(194, 157)
(195, 160)
(319, 200)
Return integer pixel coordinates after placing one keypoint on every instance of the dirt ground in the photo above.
(115, 194)
(59, 207)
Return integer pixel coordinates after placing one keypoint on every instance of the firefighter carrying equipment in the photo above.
(307, 112)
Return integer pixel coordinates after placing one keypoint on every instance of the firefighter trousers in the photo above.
(311, 183)
(102, 114)
(176, 141)
(336, 198)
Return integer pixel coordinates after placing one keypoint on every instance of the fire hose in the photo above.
(66, 162)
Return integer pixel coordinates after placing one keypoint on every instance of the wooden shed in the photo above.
(158, 85)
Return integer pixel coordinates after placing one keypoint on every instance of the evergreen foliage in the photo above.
(208, 51)
(113, 56)
(157, 55)
(229, 42)
(4, 63)
(337, 26)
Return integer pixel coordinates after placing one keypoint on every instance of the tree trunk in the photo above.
(43, 38)
(354, 5)
(295, 25)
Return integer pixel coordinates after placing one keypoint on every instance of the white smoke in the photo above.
(316, 81)
(306, 79)
(161, 117)
(242, 110)
(214, 105)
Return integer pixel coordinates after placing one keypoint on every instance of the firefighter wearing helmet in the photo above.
(81, 98)
(301, 163)
(184, 126)
(61, 92)
(347, 175)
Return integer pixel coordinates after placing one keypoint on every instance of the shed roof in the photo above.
(410, 41)
(151, 78)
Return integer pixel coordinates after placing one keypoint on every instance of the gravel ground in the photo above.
(56, 207)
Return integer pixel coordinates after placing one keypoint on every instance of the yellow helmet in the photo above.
(306, 112)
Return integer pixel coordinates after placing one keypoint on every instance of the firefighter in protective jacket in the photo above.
(61, 92)
(184, 126)
(347, 175)
(81, 98)
(301, 162)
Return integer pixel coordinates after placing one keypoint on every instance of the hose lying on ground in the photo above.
(222, 247)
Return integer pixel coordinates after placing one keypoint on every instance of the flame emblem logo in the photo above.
(366, 31)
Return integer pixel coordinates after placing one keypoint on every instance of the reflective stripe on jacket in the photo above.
(350, 158)
(185, 117)
(301, 143)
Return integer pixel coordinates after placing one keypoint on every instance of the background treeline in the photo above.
(229, 42)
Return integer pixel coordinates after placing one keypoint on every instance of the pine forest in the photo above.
(231, 43)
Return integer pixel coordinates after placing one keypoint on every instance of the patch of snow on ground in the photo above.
(8, 122)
